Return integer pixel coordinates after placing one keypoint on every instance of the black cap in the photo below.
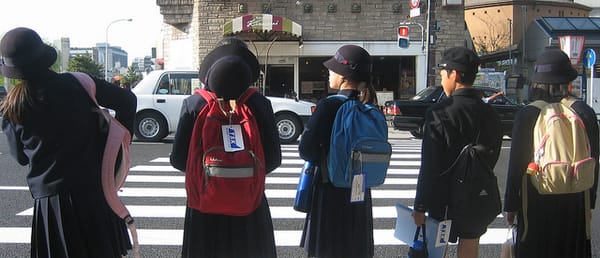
(24, 54)
(460, 59)
(352, 62)
(553, 66)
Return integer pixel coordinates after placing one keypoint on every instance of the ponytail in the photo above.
(368, 95)
(16, 103)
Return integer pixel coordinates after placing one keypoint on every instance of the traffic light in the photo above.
(403, 38)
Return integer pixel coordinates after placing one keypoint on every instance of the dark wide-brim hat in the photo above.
(352, 62)
(229, 49)
(229, 76)
(460, 59)
(24, 54)
(553, 66)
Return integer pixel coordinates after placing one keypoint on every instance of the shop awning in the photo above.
(263, 27)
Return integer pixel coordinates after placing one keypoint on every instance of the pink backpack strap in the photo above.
(118, 138)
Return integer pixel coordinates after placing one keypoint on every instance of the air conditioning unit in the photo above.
(451, 2)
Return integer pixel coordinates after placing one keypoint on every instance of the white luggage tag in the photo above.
(233, 140)
(358, 188)
(358, 181)
(443, 233)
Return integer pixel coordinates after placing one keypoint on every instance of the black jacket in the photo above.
(60, 138)
(449, 126)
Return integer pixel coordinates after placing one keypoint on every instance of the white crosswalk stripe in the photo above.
(158, 180)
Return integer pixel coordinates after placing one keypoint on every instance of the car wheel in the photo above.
(150, 126)
(289, 128)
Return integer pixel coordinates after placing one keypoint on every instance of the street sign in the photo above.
(572, 46)
(589, 58)
(415, 12)
(414, 3)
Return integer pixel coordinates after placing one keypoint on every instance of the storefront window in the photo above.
(393, 77)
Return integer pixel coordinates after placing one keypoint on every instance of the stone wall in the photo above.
(334, 20)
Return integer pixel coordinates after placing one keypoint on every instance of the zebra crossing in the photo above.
(155, 195)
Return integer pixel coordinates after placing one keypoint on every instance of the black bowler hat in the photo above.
(24, 54)
(553, 66)
(230, 46)
(460, 59)
(352, 62)
(229, 76)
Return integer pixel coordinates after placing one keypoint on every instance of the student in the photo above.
(460, 119)
(335, 227)
(230, 69)
(49, 125)
(555, 224)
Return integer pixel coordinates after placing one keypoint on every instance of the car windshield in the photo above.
(422, 95)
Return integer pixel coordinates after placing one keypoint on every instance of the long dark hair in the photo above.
(16, 103)
(549, 92)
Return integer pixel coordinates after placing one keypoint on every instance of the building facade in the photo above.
(117, 58)
(513, 33)
(292, 39)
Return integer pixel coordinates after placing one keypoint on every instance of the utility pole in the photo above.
(510, 43)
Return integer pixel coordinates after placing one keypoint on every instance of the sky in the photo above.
(85, 22)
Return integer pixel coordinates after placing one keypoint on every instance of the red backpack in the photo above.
(225, 172)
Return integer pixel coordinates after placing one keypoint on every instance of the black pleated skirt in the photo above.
(221, 236)
(555, 226)
(335, 227)
(77, 224)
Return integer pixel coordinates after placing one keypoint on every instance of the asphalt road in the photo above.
(150, 171)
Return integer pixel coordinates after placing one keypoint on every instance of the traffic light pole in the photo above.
(404, 23)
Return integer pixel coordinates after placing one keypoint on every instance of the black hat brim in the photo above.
(225, 50)
(334, 66)
(22, 72)
(555, 77)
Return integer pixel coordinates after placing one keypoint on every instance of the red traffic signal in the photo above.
(403, 31)
(403, 36)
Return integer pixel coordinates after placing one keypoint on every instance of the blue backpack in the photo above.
(359, 143)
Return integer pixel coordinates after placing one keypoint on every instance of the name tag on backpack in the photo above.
(358, 188)
(232, 138)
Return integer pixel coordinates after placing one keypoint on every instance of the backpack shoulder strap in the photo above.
(568, 101)
(207, 95)
(339, 96)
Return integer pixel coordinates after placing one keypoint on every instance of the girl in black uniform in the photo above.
(50, 126)
(335, 227)
(555, 223)
(214, 235)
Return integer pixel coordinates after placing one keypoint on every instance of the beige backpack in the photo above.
(562, 161)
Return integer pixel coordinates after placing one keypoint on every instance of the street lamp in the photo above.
(106, 46)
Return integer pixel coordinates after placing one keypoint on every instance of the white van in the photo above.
(160, 96)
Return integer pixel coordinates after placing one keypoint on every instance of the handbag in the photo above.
(419, 247)
(508, 247)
